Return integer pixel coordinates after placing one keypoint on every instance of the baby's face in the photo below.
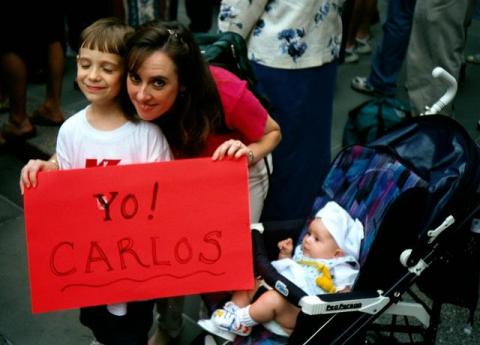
(318, 243)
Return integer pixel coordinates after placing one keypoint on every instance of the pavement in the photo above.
(19, 326)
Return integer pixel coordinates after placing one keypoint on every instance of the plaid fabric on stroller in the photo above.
(415, 191)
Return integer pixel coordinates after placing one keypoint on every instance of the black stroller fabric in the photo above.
(442, 152)
(449, 157)
(400, 186)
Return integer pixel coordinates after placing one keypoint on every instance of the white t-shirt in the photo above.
(79, 145)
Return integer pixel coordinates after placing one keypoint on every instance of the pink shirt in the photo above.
(244, 114)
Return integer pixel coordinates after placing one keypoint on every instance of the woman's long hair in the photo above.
(197, 110)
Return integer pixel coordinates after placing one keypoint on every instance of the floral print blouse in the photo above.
(286, 34)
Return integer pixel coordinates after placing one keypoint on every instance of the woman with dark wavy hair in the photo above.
(202, 110)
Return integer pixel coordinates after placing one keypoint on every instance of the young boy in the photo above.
(106, 133)
(325, 262)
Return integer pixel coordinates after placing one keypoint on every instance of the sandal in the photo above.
(11, 132)
(362, 45)
(474, 58)
(39, 118)
(350, 56)
(361, 84)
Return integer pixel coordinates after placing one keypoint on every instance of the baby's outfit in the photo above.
(303, 271)
(343, 270)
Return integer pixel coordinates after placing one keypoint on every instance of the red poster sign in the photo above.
(113, 234)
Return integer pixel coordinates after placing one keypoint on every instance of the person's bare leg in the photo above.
(363, 29)
(51, 107)
(169, 326)
(15, 77)
(244, 298)
(272, 306)
(355, 20)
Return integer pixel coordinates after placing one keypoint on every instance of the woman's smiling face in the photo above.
(154, 87)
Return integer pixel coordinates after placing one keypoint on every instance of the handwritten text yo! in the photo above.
(209, 250)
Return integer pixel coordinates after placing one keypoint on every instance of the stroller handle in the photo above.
(439, 72)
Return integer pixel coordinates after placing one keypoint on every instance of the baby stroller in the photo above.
(416, 191)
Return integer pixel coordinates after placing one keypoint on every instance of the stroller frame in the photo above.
(369, 305)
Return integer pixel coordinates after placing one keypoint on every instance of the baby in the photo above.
(325, 262)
